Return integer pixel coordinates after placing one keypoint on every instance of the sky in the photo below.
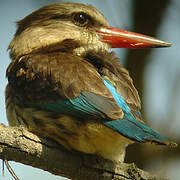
(162, 91)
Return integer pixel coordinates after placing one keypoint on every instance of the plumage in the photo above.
(64, 84)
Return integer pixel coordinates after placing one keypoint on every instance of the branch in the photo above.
(18, 144)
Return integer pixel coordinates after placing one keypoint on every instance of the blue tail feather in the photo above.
(135, 130)
(129, 126)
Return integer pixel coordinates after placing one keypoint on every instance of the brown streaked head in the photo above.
(60, 26)
(75, 28)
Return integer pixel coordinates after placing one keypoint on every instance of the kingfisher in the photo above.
(65, 84)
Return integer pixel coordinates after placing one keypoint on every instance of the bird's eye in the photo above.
(81, 19)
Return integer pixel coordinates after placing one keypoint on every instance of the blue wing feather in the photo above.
(84, 105)
(79, 107)
(128, 125)
(119, 100)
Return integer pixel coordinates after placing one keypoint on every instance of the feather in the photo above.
(128, 125)
(88, 104)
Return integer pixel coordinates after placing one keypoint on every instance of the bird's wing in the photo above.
(84, 93)
(47, 78)
(119, 78)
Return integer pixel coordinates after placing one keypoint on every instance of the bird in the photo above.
(66, 84)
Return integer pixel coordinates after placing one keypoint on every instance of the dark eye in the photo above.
(81, 19)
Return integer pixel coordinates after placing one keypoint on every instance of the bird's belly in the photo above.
(87, 136)
(106, 142)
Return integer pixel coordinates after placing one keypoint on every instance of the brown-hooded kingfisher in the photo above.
(64, 84)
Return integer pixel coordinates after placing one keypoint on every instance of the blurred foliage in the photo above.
(147, 18)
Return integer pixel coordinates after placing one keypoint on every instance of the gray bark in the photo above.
(18, 144)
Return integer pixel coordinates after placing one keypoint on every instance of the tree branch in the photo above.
(17, 144)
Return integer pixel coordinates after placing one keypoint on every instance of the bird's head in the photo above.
(75, 28)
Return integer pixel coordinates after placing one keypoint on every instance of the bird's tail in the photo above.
(137, 131)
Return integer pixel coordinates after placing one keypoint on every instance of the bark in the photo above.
(17, 144)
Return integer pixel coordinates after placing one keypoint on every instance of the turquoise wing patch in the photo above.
(88, 104)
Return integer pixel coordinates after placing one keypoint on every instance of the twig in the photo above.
(17, 144)
(11, 170)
